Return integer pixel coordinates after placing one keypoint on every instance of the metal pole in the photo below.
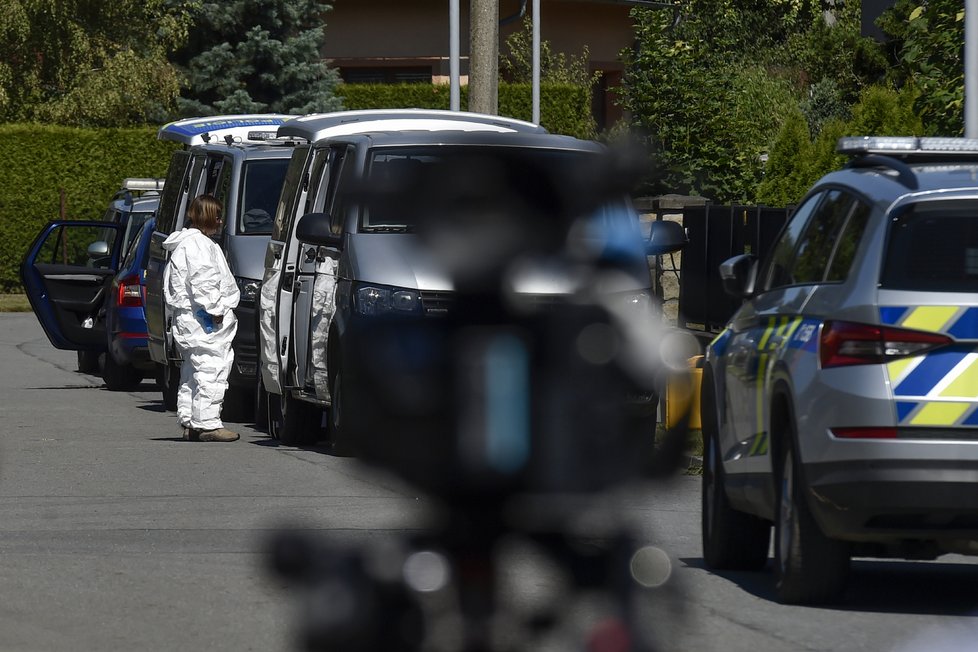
(971, 69)
(453, 63)
(536, 61)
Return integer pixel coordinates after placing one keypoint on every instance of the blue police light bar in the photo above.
(196, 131)
(902, 146)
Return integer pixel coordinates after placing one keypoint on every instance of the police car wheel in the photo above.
(809, 567)
(732, 540)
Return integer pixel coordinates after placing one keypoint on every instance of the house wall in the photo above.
(367, 37)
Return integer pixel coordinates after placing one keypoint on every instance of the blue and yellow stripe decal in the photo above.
(779, 333)
(937, 389)
(960, 322)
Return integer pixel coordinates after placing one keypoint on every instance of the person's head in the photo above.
(204, 213)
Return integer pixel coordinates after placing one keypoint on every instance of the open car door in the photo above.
(66, 274)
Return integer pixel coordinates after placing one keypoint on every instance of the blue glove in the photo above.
(205, 320)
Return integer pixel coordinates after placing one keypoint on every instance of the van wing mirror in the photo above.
(738, 275)
(314, 228)
(665, 237)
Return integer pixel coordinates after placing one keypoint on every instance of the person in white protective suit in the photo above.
(201, 295)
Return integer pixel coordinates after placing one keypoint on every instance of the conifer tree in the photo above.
(256, 56)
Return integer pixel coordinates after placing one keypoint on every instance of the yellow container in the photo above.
(683, 395)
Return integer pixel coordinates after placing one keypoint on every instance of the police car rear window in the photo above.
(933, 248)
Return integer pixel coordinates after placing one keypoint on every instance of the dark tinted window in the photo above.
(134, 226)
(933, 247)
(848, 242)
(259, 194)
(291, 188)
(212, 176)
(407, 181)
(172, 191)
(778, 269)
(811, 257)
(86, 246)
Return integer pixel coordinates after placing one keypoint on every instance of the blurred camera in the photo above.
(530, 386)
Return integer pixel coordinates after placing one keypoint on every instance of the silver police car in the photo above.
(840, 404)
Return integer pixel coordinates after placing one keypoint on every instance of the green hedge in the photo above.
(89, 164)
(564, 108)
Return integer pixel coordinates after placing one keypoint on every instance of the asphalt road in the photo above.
(117, 535)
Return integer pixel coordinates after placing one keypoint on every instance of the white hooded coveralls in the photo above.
(197, 277)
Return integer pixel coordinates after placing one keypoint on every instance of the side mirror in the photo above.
(738, 275)
(665, 237)
(98, 249)
(313, 228)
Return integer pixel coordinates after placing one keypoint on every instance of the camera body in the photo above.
(510, 405)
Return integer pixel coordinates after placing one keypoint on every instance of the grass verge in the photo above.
(14, 303)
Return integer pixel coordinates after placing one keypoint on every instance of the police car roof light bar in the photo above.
(904, 146)
(143, 184)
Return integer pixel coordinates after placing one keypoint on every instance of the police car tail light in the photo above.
(130, 293)
(845, 343)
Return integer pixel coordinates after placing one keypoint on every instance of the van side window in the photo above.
(291, 190)
(172, 191)
(340, 177)
(212, 175)
(222, 190)
(318, 181)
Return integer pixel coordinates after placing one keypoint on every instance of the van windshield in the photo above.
(261, 187)
(514, 176)
(933, 247)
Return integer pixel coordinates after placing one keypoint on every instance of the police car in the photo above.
(840, 404)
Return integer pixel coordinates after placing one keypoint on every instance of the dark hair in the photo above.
(204, 213)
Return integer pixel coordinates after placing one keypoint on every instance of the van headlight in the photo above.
(374, 300)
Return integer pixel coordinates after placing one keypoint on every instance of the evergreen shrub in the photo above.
(88, 164)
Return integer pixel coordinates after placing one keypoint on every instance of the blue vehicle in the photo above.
(84, 282)
(134, 203)
(127, 359)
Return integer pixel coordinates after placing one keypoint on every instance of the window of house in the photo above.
(386, 75)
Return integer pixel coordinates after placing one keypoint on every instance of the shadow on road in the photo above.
(268, 442)
(943, 588)
(68, 387)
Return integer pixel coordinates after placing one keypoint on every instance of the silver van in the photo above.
(292, 406)
(333, 266)
(239, 160)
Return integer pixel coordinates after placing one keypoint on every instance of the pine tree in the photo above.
(256, 56)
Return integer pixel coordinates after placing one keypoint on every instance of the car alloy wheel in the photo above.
(810, 567)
